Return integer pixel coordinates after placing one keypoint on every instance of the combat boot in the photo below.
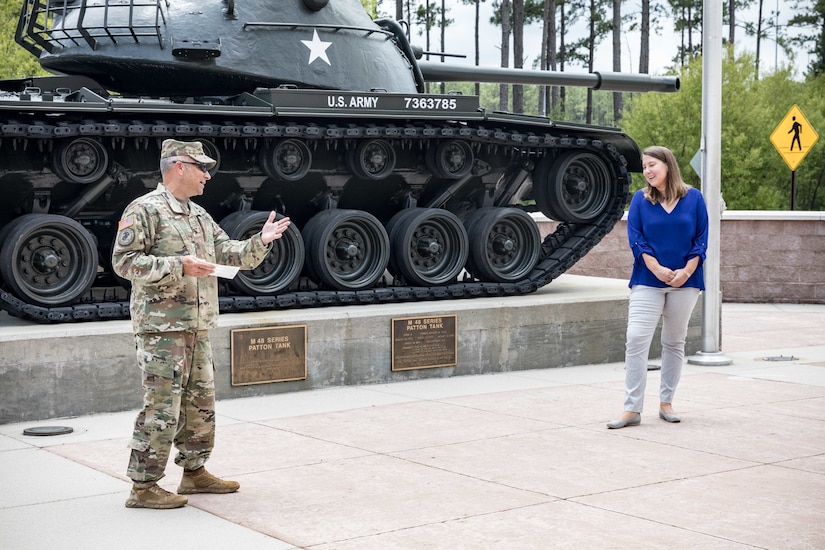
(201, 481)
(154, 497)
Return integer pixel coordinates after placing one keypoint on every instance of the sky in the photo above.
(460, 40)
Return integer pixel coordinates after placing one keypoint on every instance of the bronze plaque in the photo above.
(271, 354)
(424, 342)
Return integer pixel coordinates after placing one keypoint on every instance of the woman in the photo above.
(667, 228)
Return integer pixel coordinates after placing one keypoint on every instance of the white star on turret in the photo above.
(317, 48)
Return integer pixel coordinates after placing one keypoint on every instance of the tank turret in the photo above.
(215, 47)
(311, 109)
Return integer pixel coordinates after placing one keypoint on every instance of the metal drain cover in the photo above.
(48, 430)
(780, 358)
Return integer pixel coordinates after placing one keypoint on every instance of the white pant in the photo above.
(647, 305)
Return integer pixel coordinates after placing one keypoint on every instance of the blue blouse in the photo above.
(670, 238)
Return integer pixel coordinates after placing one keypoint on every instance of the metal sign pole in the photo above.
(711, 147)
(793, 190)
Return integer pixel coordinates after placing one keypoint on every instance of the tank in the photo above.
(314, 110)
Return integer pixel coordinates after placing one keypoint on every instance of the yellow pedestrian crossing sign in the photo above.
(794, 137)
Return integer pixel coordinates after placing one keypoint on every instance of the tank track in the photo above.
(560, 250)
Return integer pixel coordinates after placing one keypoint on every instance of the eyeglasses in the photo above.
(200, 165)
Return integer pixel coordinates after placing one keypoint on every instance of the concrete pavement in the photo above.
(517, 460)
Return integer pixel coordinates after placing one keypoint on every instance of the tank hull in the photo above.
(368, 177)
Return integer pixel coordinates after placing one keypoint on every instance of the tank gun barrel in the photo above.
(614, 82)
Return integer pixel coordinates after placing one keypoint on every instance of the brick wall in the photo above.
(765, 257)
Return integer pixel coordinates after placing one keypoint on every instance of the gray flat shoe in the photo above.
(669, 417)
(621, 423)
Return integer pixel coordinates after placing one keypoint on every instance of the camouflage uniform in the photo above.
(171, 315)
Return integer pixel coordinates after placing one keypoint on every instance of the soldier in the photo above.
(166, 247)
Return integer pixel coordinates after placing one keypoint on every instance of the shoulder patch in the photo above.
(125, 237)
(125, 222)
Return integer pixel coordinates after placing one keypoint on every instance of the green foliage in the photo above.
(672, 120)
(15, 62)
(428, 17)
(533, 11)
(810, 175)
(754, 176)
(371, 6)
(811, 23)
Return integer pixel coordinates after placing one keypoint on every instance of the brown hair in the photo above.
(675, 187)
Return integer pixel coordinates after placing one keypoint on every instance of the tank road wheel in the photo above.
(282, 265)
(504, 244)
(429, 246)
(48, 260)
(80, 160)
(286, 159)
(373, 159)
(541, 184)
(452, 159)
(575, 187)
(346, 249)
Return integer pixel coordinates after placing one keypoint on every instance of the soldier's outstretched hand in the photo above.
(273, 229)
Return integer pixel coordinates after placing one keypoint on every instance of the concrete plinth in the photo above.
(78, 369)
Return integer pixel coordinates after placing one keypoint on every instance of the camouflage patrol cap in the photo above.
(194, 149)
